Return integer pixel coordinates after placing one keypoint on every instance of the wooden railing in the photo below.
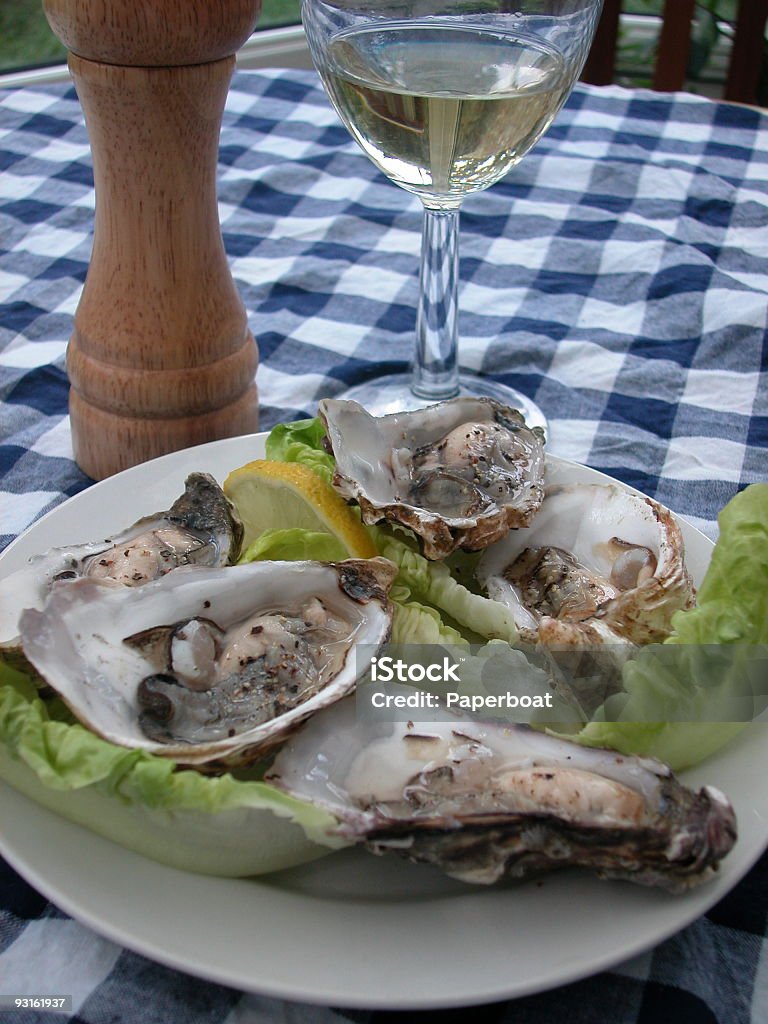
(670, 70)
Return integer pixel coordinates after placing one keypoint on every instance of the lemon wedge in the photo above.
(286, 495)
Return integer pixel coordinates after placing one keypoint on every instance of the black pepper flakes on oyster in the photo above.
(460, 474)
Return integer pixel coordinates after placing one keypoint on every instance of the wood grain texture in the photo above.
(674, 45)
(159, 293)
(161, 356)
(601, 62)
(746, 63)
(112, 443)
(671, 62)
(152, 33)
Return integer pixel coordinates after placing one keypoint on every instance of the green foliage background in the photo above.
(26, 40)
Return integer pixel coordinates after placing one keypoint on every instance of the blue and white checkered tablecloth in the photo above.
(619, 276)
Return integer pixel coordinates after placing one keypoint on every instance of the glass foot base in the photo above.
(393, 394)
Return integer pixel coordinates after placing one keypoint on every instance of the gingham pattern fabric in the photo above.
(618, 276)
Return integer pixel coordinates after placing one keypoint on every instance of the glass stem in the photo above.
(436, 367)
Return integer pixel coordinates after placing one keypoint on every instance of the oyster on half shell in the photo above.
(200, 528)
(209, 667)
(485, 802)
(599, 564)
(460, 473)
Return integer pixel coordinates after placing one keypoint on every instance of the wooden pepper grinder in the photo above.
(161, 356)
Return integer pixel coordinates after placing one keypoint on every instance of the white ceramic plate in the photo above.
(352, 929)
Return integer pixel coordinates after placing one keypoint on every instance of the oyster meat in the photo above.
(599, 564)
(486, 802)
(210, 667)
(200, 528)
(459, 474)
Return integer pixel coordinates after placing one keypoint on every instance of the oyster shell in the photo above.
(209, 667)
(459, 474)
(200, 528)
(486, 802)
(598, 564)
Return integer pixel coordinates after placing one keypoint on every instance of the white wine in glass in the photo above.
(445, 97)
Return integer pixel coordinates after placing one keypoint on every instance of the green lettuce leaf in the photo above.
(732, 603)
(415, 623)
(302, 442)
(54, 761)
(679, 696)
(294, 545)
(680, 745)
(475, 616)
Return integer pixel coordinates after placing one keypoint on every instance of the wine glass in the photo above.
(445, 96)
